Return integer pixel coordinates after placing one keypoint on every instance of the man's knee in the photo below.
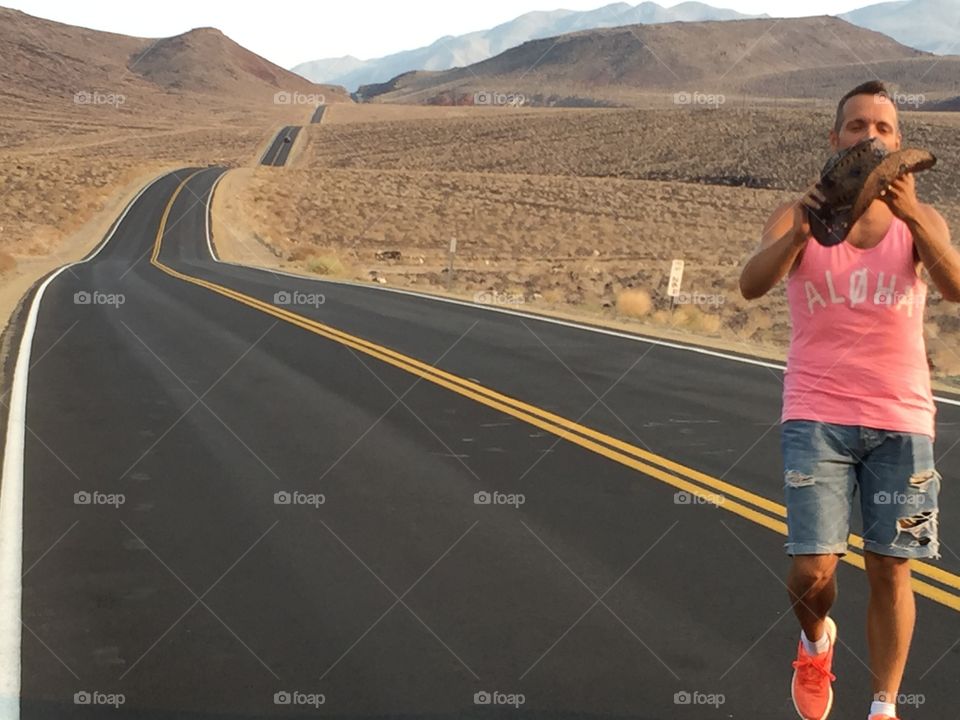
(885, 570)
(810, 573)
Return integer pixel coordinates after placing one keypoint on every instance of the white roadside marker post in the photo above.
(452, 253)
(673, 286)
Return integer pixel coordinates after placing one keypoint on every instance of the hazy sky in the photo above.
(292, 32)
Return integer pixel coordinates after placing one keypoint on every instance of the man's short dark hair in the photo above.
(872, 87)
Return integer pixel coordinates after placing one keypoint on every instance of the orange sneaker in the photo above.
(811, 689)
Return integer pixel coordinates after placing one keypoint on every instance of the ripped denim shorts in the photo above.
(826, 465)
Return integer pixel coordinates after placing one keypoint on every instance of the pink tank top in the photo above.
(857, 354)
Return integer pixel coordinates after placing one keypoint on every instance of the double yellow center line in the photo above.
(729, 497)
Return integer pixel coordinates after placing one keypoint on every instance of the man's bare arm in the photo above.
(931, 236)
(783, 239)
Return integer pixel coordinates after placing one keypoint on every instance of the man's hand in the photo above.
(810, 202)
(901, 196)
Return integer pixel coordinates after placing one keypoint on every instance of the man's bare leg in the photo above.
(891, 614)
(813, 589)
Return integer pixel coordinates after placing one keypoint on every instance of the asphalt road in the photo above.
(205, 396)
(317, 116)
(276, 155)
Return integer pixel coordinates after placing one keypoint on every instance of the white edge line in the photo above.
(11, 494)
(539, 318)
(213, 253)
(489, 308)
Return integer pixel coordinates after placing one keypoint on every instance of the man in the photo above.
(858, 413)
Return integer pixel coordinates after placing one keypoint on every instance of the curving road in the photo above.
(248, 495)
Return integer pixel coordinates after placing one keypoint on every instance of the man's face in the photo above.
(867, 116)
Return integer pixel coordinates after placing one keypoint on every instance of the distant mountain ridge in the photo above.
(702, 63)
(450, 51)
(932, 25)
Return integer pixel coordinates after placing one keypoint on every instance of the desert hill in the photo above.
(796, 57)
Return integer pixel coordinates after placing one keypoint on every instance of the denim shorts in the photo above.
(827, 465)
